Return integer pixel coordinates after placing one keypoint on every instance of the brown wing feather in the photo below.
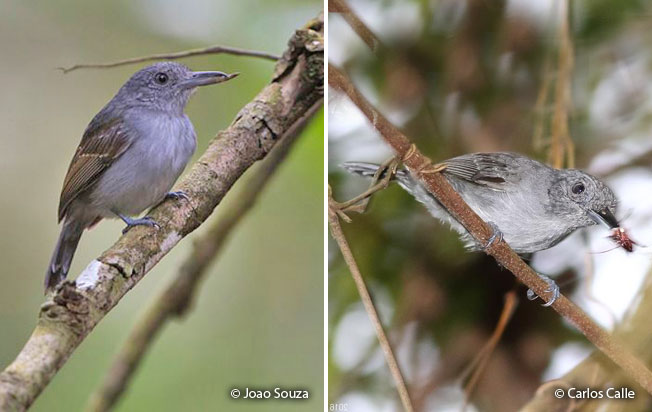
(99, 148)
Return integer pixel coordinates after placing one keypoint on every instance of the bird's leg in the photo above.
(379, 181)
(143, 221)
(496, 235)
(177, 195)
(552, 288)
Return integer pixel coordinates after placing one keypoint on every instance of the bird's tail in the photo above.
(369, 170)
(63, 253)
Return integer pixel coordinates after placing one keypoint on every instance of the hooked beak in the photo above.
(205, 78)
(604, 216)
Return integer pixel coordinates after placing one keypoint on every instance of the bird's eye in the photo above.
(161, 78)
(578, 188)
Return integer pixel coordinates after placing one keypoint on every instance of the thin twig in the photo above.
(177, 297)
(338, 235)
(174, 56)
(439, 187)
(540, 112)
(379, 181)
(340, 6)
(561, 144)
(480, 362)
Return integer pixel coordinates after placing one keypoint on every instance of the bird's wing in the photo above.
(103, 142)
(493, 170)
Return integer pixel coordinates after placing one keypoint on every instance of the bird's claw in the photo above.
(552, 288)
(177, 195)
(496, 235)
(145, 221)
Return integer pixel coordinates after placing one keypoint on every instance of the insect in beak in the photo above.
(622, 239)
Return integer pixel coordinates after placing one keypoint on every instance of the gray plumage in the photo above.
(130, 155)
(533, 205)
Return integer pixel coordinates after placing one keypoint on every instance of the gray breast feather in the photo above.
(159, 154)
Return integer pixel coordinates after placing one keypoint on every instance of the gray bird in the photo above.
(129, 157)
(531, 205)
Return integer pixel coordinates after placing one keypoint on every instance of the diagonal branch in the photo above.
(174, 56)
(177, 298)
(439, 187)
(69, 315)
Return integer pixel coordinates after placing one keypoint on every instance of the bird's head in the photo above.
(166, 86)
(584, 199)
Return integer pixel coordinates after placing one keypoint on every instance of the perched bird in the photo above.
(531, 205)
(129, 157)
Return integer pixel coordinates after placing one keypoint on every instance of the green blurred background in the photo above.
(258, 320)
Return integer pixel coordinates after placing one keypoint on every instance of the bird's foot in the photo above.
(552, 288)
(177, 195)
(143, 221)
(496, 235)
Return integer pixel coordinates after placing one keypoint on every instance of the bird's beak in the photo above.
(205, 78)
(604, 216)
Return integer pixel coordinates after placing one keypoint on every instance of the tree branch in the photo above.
(439, 187)
(71, 312)
(177, 298)
(173, 56)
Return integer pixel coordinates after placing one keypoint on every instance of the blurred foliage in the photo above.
(258, 320)
(460, 77)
